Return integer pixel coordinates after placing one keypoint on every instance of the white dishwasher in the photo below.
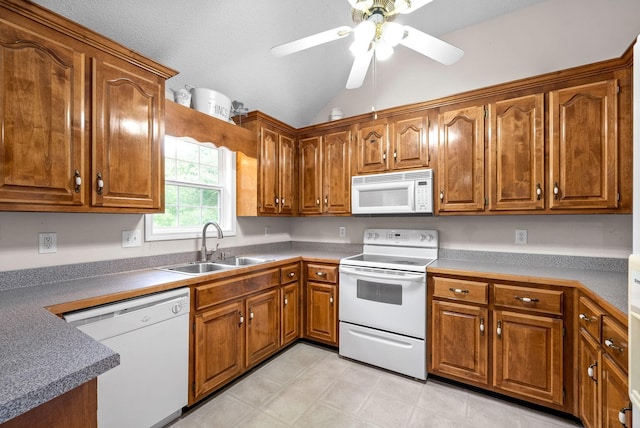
(151, 334)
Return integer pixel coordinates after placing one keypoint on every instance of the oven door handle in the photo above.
(379, 274)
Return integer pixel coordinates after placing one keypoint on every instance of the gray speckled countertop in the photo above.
(42, 357)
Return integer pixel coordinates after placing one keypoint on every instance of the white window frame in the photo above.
(228, 222)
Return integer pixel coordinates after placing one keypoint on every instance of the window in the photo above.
(199, 187)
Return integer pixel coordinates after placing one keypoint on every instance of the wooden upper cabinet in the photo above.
(287, 174)
(410, 142)
(127, 168)
(583, 146)
(460, 185)
(337, 172)
(516, 154)
(310, 175)
(276, 188)
(42, 107)
(373, 147)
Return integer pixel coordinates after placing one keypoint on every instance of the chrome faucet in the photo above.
(203, 250)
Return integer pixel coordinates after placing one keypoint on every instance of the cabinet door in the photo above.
(459, 341)
(218, 347)
(268, 173)
(373, 147)
(583, 146)
(287, 175)
(263, 326)
(615, 393)
(128, 167)
(516, 151)
(527, 353)
(337, 173)
(290, 325)
(461, 160)
(310, 175)
(410, 145)
(588, 379)
(322, 312)
(42, 110)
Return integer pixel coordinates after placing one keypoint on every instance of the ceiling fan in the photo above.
(375, 35)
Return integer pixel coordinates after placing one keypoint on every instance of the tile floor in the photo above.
(309, 386)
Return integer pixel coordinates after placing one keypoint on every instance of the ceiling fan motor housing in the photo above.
(380, 11)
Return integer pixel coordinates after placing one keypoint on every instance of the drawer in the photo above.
(459, 289)
(590, 317)
(324, 273)
(615, 340)
(220, 291)
(289, 273)
(531, 299)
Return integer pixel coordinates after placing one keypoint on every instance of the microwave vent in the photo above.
(422, 174)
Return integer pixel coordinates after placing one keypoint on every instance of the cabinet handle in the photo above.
(458, 290)
(282, 201)
(499, 329)
(77, 180)
(100, 184)
(286, 301)
(481, 326)
(318, 202)
(384, 155)
(611, 344)
(441, 195)
(527, 299)
(556, 190)
(331, 299)
(586, 318)
(250, 314)
(622, 416)
(292, 274)
(395, 155)
(326, 200)
(241, 318)
(538, 191)
(591, 372)
(321, 273)
(276, 201)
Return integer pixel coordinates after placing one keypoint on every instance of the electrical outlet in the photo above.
(521, 236)
(47, 242)
(342, 231)
(131, 238)
(267, 231)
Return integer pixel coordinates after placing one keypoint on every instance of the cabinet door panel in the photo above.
(42, 115)
(516, 150)
(268, 174)
(373, 143)
(127, 150)
(528, 355)
(322, 312)
(589, 402)
(263, 326)
(459, 341)
(461, 160)
(583, 146)
(290, 326)
(310, 175)
(410, 143)
(615, 393)
(287, 177)
(218, 346)
(337, 173)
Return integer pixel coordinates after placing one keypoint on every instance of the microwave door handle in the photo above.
(380, 275)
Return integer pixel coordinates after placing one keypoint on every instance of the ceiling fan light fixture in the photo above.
(365, 30)
(400, 6)
(359, 47)
(392, 33)
(383, 50)
(361, 4)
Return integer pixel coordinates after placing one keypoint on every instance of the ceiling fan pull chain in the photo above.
(373, 75)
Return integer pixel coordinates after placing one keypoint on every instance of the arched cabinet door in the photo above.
(41, 116)
(127, 163)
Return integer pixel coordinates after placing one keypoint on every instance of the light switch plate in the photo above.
(131, 238)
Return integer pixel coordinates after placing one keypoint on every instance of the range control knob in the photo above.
(372, 235)
(426, 237)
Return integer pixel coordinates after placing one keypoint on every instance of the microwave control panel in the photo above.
(423, 195)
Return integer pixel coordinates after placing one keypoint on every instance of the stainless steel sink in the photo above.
(241, 261)
(197, 268)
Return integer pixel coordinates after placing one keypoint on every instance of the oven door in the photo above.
(389, 300)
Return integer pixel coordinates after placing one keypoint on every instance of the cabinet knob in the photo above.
(441, 195)
(622, 416)
(482, 326)
(318, 202)
(331, 299)
(395, 155)
(499, 329)
(282, 201)
(538, 191)
(276, 201)
(99, 183)
(556, 190)
(241, 318)
(250, 314)
(584, 317)
(292, 274)
(591, 371)
(326, 200)
(384, 155)
(611, 345)
(321, 273)
(77, 180)
(286, 301)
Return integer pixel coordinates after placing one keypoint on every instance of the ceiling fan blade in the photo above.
(311, 41)
(408, 6)
(430, 46)
(359, 69)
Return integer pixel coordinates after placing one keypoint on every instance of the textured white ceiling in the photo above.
(224, 44)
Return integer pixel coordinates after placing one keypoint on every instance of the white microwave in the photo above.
(409, 192)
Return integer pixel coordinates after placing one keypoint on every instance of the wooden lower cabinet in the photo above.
(588, 379)
(527, 355)
(263, 326)
(615, 394)
(322, 313)
(459, 341)
(290, 313)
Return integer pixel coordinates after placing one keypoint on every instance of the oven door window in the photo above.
(379, 292)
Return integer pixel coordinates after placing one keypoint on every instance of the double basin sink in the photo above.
(200, 268)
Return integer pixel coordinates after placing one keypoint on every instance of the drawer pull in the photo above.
(321, 273)
(292, 274)
(586, 318)
(591, 371)
(527, 299)
(458, 290)
(481, 326)
(611, 344)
